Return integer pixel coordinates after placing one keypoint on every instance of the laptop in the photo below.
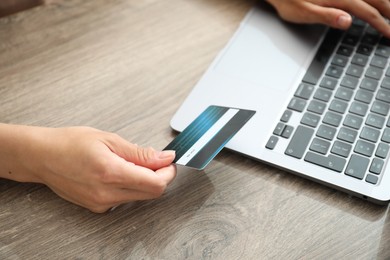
(321, 96)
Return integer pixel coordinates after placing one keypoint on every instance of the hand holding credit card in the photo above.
(205, 137)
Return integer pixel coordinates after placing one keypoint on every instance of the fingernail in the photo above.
(344, 21)
(166, 154)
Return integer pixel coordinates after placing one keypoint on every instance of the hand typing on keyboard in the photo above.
(336, 13)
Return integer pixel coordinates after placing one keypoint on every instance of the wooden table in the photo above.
(125, 66)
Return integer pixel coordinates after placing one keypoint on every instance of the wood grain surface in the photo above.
(125, 66)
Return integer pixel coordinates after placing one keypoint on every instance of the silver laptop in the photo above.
(322, 98)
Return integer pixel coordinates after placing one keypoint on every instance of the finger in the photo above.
(332, 17)
(150, 158)
(371, 11)
(147, 157)
(312, 12)
(127, 175)
(168, 173)
(383, 6)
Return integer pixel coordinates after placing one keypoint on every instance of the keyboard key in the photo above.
(273, 140)
(380, 108)
(279, 129)
(382, 151)
(386, 135)
(385, 83)
(376, 166)
(378, 61)
(341, 148)
(326, 132)
(329, 83)
(349, 82)
(317, 107)
(345, 50)
(320, 146)
(286, 116)
(299, 142)
(357, 166)
(334, 71)
(347, 134)
(310, 119)
(364, 96)
(375, 120)
(355, 71)
(370, 39)
(372, 30)
(359, 59)
(340, 60)
(364, 49)
(332, 119)
(353, 121)
(344, 94)
(374, 73)
(383, 95)
(358, 108)
(338, 106)
(331, 162)
(304, 91)
(383, 51)
(370, 134)
(364, 148)
(322, 94)
(358, 22)
(350, 39)
(287, 131)
(369, 84)
(297, 104)
(356, 29)
(372, 179)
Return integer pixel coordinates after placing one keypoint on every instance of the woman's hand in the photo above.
(335, 13)
(91, 168)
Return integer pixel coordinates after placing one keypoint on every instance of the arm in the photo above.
(335, 13)
(91, 168)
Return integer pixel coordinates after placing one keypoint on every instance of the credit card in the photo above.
(205, 137)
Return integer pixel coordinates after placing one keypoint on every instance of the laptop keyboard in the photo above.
(343, 104)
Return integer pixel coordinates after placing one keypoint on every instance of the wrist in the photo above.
(20, 152)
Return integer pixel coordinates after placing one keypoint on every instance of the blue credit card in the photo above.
(205, 137)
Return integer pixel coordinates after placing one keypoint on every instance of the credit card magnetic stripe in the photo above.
(203, 139)
(195, 130)
(208, 136)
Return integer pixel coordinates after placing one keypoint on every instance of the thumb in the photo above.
(149, 157)
(146, 157)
